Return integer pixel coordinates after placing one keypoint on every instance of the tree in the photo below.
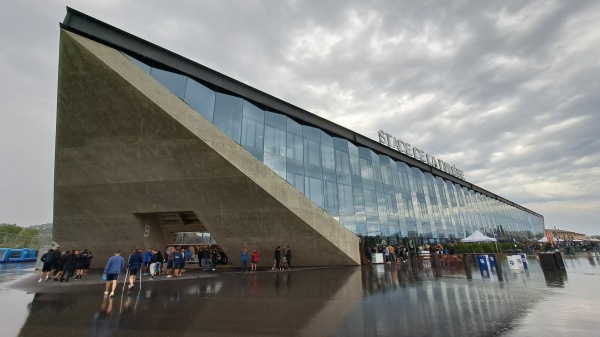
(13, 236)
(12, 229)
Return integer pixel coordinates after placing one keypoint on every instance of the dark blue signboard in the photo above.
(483, 266)
(492, 259)
(524, 261)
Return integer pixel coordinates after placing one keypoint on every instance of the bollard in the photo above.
(414, 261)
(467, 264)
(498, 267)
(435, 261)
(560, 263)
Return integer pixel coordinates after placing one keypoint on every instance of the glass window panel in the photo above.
(327, 151)
(275, 137)
(404, 183)
(345, 197)
(200, 98)
(294, 140)
(366, 169)
(146, 68)
(228, 115)
(331, 197)
(359, 200)
(348, 221)
(258, 154)
(419, 185)
(390, 201)
(377, 169)
(253, 125)
(342, 157)
(408, 205)
(361, 224)
(354, 159)
(394, 226)
(370, 201)
(313, 189)
(312, 145)
(174, 82)
(373, 228)
(276, 163)
(295, 174)
(386, 175)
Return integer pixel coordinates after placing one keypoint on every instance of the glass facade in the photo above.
(370, 194)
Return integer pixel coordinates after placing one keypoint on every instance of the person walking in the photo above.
(178, 257)
(206, 259)
(135, 264)
(244, 260)
(152, 263)
(283, 255)
(277, 258)
(62, 260)
(82, 262)
(254, 259)
(159, 263)
(114, 267)
(48, 260)
(69, 265)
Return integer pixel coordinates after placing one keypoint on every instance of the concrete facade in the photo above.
(127, 148)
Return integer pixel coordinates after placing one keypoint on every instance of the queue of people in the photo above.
(74, 264)
(65, 265)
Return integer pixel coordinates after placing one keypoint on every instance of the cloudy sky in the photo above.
(508, 91)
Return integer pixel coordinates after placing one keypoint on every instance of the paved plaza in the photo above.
(378, 300)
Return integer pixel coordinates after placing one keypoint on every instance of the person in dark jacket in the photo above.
(206, 259)
(55, 261)
(82, 262)
(47, 260)
(277, 257)
(159, 262)
(153, 261)
(69, 265)
(61, 264)
(178, 257)
(135, 264)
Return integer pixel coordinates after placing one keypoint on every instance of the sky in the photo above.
(508, 91)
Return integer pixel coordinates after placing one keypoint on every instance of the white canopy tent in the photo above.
(477, 236)
(544, 239)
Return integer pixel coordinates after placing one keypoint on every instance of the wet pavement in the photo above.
(378, 300)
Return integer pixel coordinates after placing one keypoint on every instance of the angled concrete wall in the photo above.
(126, 145)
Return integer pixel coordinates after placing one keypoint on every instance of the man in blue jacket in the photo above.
(245, 259)
(113, 268)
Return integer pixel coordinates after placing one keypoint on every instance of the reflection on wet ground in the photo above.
(379, 300)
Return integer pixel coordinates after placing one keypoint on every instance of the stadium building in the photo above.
(154, 150)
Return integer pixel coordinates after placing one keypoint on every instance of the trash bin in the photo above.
(377, 258)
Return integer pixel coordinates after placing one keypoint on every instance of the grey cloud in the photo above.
(462, 80)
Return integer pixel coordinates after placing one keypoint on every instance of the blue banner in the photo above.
(492, 260)
(483, 266)
(524, 260)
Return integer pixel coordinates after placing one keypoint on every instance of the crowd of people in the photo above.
(282, 259)
(74, 264)
(64, 265)
(400, 253)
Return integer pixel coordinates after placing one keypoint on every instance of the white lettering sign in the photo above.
(412, 151)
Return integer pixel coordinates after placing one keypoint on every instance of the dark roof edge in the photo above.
(99, 31)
